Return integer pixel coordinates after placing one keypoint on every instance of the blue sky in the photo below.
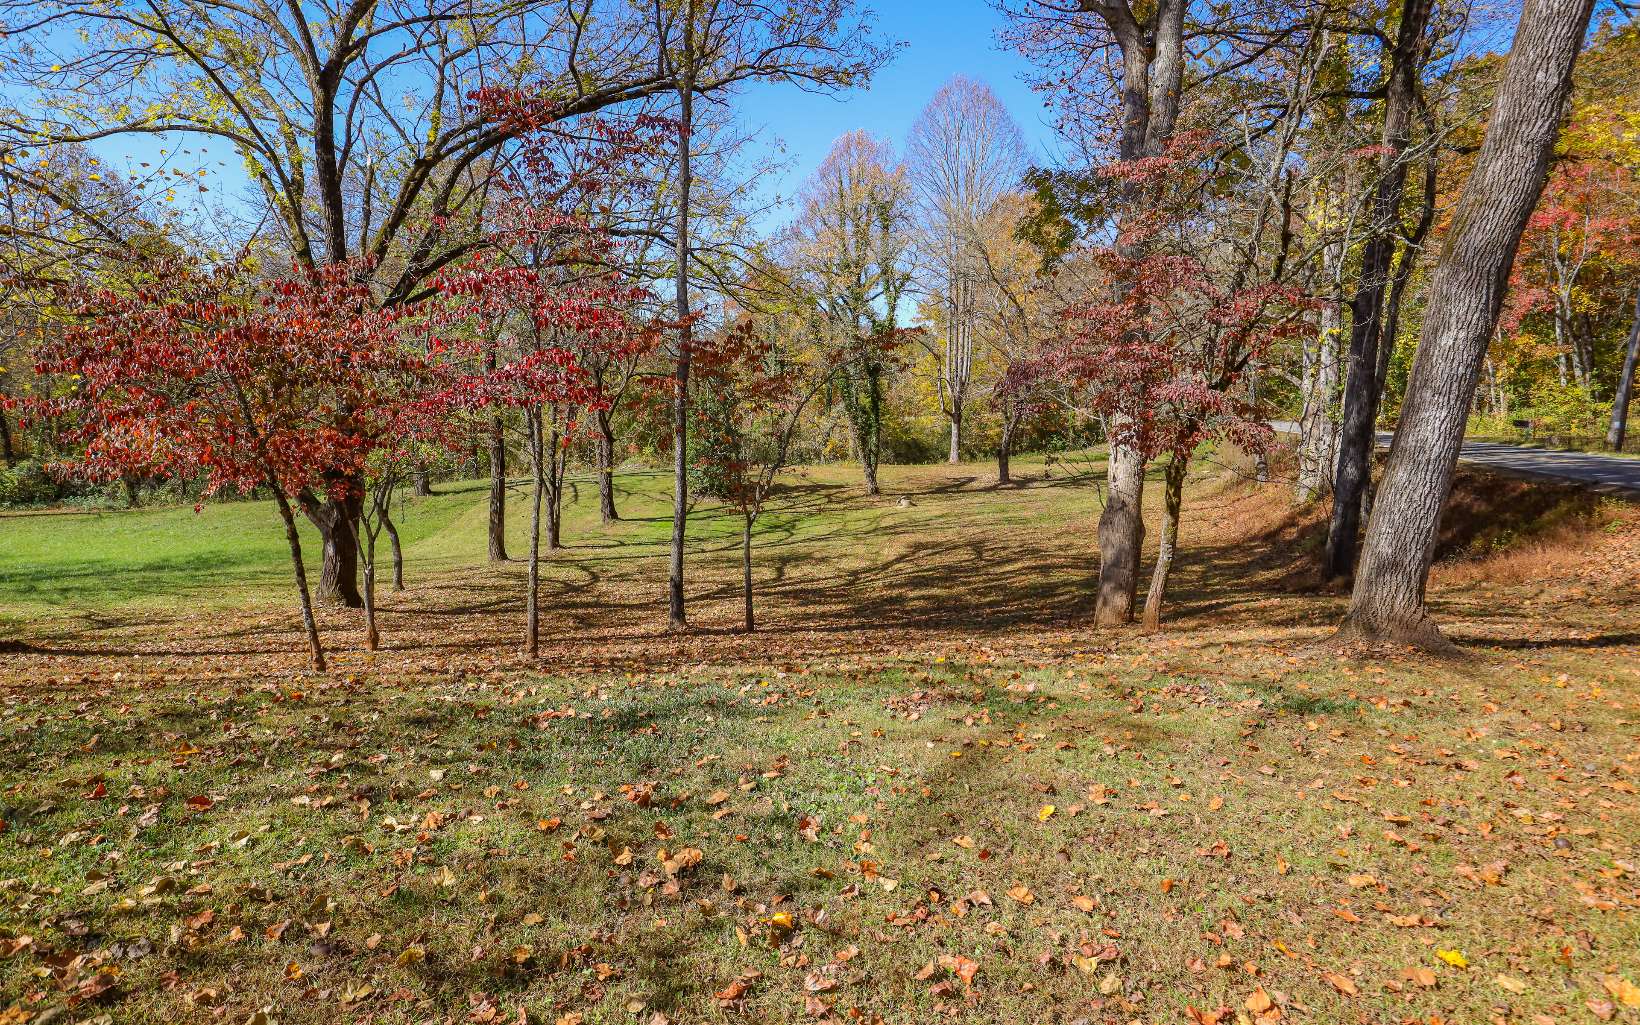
(941, 39)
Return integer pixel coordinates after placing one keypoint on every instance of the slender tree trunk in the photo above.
(1465, 297)
(555, 486)
(606, 469)
(1358, 437)
(498, 490)
(677, 619)
(1121, 536)
(398, 550)
(339, 569)
(1618, 430)
(746, 570)
(295, 541)
(956, 431)
(1173, 499)
(133, 497)
(372, 638)
(538, 487)
(1318, 428)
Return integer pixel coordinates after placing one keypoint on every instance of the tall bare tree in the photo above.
(964, 154)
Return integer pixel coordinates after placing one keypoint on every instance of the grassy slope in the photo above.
(1234, 811)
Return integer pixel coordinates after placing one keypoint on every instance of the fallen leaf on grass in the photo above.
(1342, 983)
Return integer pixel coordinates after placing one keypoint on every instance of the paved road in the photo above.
(1618, 475)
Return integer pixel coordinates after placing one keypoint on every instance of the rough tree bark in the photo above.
(1625, 385)
(339, 569)
(1358, 433)
(1465, 297)
(1121, 537)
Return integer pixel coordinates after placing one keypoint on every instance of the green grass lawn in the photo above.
(927, 793)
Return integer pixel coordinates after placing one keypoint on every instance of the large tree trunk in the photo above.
(676, 618)
(1173, 500)
(1465, 297)
(606, 469)
(423, 483)
(1625, 385)
(498, 491)
(1121, 536)
(339, 570)
(316, 650)
(1358, 436)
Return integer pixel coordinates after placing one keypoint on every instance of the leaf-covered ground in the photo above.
(928, 792)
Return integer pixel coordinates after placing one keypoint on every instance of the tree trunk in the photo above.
(1121, 536)
(1318, 427)
(1172, 501)
(606, 469)
(538, 486)
(555, 487)
(1616, 433)
(746, 571)
(1005, 449)
(1358, 437)
(676, 618)
(424, 483)
(498, 490)
(295, 541)
(1465, 297)
(372, 639)
(339, 570)
(956, 431)
(398, 550)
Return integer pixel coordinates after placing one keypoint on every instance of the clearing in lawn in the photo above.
(927, 792)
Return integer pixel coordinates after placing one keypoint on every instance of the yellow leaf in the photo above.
(1454, 958)
(1045, 813)
(1622, 990)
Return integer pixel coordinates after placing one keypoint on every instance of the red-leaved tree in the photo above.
(1161, 347)
(286, 384)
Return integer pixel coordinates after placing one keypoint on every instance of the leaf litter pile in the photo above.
(1033, 823)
